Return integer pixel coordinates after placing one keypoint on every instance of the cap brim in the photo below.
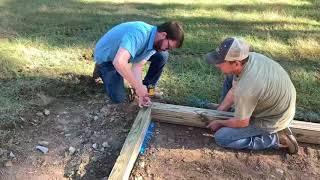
(213, 58)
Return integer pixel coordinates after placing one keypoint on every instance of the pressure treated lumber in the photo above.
(304, 131)
(130, 150)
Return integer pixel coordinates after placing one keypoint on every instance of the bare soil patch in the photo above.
(180, 152)
(77, 123)
(97, 130)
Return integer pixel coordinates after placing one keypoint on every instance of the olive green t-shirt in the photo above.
(265, 94)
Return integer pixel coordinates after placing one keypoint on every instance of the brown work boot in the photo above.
(96, 76)
(155, 92)
(288, 141)
(131, 94)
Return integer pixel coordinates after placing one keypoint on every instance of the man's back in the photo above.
(266, 87)
(133, 36)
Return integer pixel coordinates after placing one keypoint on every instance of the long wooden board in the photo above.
(130, 150)
(304, 131)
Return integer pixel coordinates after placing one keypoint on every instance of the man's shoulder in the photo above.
(259, 59)
(137, 25)
(258, 56)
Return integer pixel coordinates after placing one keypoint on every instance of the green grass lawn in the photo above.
(45, 45)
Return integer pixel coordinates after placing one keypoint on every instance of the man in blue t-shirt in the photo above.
(135, 43)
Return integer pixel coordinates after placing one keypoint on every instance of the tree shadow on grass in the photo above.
(72, 23)
(63, 23)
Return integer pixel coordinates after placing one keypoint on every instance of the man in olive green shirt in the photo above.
(264, 99)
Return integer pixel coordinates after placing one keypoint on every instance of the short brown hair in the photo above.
(174, 31)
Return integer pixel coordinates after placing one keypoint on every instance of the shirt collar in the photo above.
(152, 37)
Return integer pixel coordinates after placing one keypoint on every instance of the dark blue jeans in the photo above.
(114, 83)
(158, 60)
(250, 137)
(227, 85)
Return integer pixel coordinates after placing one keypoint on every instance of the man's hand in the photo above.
(144, 101)
(142, 91)
(143, 96)
(214, 125)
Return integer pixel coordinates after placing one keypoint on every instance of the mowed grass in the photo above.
(46, 46)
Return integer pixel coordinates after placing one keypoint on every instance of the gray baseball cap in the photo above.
(231, 49)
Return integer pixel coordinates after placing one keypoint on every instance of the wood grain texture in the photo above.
(131, 147)
(304, 131)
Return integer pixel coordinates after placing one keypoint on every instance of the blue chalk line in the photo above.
(147, 137)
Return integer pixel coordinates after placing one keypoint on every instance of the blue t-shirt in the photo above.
(136, 37)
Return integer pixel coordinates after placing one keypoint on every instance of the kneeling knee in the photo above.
(222, 137)
(163, 56)
(116, 98)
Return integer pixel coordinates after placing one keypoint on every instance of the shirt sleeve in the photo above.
(133, 42)
(245, 104)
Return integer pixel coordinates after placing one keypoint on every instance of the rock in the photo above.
(8, 164)
(138, 178)
(102, 149)
(72, 150)
(170, 140)
(112, 119)
(105, 110)
(12, 155)
(88, 133)
(187, 159)
(46, 112)
(43, 143)
(105, 144)
(171, 161)
(43, 149)
(95, 146)
(3, 151)
(125, 130)
(23, 119)
(40, 114)
(148, 170)
(142, 164)
(287, 156)
(94, 159)
(280, 171)
(95, 118)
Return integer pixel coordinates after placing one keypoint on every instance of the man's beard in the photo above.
(157, 46)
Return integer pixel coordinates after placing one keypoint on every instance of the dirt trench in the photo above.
(180, 152)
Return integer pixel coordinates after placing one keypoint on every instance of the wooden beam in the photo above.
(130, 150)
(307, 132)
(304, 131)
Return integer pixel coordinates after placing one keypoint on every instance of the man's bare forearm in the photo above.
(122, 66)
(137, 70)
(227, 101)
(234, 123)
